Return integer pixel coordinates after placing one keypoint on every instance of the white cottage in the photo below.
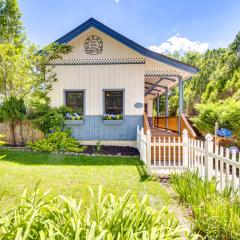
(107, 73)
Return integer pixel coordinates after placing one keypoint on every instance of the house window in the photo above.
(113, 102)
(74, 100)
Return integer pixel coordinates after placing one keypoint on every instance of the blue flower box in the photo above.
(74, 122)
(113, 122)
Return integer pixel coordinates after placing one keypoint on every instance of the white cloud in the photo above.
(117, 1)
(181, 45)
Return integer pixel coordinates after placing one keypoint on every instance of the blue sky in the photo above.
(158, 24)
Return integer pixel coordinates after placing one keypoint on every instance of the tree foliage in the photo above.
(11, 26)
(213, 94)
(26, 71)
(13, 111)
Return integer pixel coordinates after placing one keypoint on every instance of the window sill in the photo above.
(113, 122)
(74, 122)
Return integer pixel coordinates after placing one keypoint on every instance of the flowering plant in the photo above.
(112, 117)
(73, 116)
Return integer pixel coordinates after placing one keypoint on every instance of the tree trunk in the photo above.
(12, 126)
(21, 133)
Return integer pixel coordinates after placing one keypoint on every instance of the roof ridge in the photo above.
(92, 22)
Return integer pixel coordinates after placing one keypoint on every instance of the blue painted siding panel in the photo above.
(95, 129)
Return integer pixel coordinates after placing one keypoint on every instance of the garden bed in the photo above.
(112, 150)
(91, 150)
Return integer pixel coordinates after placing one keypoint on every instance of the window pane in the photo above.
(74, 100)
(114, 102)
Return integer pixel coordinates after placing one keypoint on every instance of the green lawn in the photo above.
(71, 176)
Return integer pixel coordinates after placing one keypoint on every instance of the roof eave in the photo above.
(131, 44)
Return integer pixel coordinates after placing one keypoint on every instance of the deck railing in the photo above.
(166, 154)
(146, 123)
(171, 123)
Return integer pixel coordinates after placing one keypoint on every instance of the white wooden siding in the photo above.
(96, 78)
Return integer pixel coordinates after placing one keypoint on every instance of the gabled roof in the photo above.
(129, 43)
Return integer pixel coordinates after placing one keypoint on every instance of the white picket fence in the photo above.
(167, 154)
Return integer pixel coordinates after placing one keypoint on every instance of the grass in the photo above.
(215, 215)
(71, 176)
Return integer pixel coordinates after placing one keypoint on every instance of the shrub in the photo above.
(13, 111)
(57, 142)
(48, 119)
(226, 112)
(208, 114)
(104, 217)
(216, 215)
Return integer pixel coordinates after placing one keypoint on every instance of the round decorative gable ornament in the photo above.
(93, 45)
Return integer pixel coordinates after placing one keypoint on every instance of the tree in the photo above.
(13, 111)
(27, 72)
(11, 27)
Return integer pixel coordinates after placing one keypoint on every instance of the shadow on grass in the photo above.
(143, 172)
(34, 158)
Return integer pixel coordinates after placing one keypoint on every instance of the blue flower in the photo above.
(233, 149)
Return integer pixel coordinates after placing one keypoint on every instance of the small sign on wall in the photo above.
(93, 45)
(138, 105)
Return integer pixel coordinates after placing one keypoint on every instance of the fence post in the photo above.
(185, 148)
(216, 127)
(138, 137)
(208, 159)
(148, 157)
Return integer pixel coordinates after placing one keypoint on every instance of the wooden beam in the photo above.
(154, 89)
(153, 84)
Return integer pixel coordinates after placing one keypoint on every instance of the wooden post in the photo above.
(138, 136)
(234, 158)
(166, 110)
(158, 105)
(185, 148)
(148, 152)
(215, 132)
(180, 103)
(208, 159)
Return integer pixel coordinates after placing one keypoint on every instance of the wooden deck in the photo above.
(159, 132)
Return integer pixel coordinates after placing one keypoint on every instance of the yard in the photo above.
(71, 176)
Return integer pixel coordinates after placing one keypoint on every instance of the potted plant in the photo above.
(112, 119)
(73, 118)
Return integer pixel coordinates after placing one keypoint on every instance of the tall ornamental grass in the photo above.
(104, 217)
(216, 215)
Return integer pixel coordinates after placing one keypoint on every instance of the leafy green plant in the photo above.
(216, 215)
(13, 111)
(191, 189)
(57, 142)
(218, 218)
(98, 146)
(48, 119)
(1, 143)
(104, 217)
(226, 113)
